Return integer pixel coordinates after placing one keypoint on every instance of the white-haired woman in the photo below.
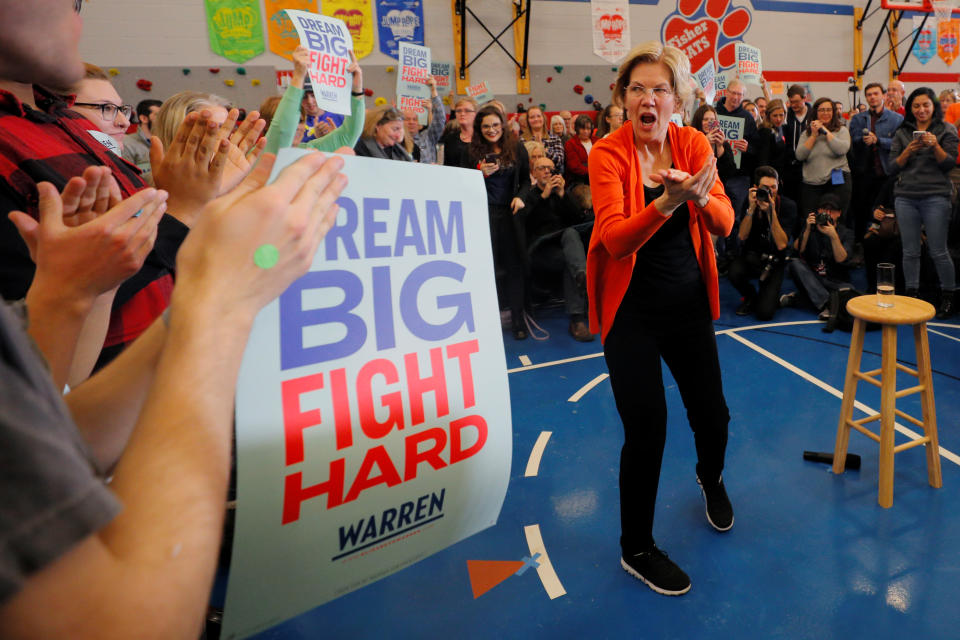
(653, 291)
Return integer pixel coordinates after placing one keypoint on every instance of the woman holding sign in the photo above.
(502, 158)
(653, 291)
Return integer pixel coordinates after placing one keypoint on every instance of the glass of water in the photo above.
(885, 284)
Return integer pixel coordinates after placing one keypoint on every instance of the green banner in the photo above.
(236, 28)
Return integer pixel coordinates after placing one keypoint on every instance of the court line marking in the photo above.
(587, 387)
(913, 435)
(533, 462)
(525, 360)
(551, 583)
(556, 362)
(945, 335)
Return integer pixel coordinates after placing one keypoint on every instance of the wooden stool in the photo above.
(904, 311)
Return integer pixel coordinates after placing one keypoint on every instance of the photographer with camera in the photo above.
(823, 246)
(556, 245)
(764, 243)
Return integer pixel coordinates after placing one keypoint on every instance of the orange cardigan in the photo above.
(624, 222)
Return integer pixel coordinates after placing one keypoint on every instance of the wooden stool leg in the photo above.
(888, 389)
(929, 408)
(849, 396)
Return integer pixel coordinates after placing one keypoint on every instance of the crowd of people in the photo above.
(126, 230)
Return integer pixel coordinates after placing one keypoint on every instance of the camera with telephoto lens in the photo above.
(763, 194)
(769, 261)
(823, 219)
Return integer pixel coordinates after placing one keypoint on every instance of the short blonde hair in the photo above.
(177, 107)
(533, 145)
(653, 52)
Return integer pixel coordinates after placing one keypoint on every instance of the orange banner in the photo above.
(948, 33)
(283, 37)
(358, 14)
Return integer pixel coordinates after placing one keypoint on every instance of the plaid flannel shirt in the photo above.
(52, 144)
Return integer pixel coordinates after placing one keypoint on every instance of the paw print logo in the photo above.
(705, 29)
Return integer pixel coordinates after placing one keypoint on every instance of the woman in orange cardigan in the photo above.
(652, 285)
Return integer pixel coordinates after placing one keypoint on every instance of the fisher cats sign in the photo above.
(373, 414)
(329, 43)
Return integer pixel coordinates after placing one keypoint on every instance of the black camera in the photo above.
(554, 171)
(823, 219)
(763, 194)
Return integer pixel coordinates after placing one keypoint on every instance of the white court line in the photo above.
(945, 335)
(533, 463)
(555, 362)
(525, 360)
(586, 388)
(600, 354)
(913, 435)
(551, 583)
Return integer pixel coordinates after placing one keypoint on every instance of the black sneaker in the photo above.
(657, 571)
(745, 308)
(718, 507)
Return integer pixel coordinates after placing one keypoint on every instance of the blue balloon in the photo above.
(588, 99)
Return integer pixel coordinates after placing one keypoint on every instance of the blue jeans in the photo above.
(933, 214)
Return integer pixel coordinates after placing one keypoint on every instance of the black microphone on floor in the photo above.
(853, 460)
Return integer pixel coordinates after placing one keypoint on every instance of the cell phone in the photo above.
(918, 134)
(866, 132)
(554, 171)
(490, 158)
(712, 125)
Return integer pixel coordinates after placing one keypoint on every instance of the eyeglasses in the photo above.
(636, 90)
(108, 110)
(464, 110)
(490, 127)
(77, 5)
(825, 110)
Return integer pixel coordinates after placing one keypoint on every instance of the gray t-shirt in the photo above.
(51, 496)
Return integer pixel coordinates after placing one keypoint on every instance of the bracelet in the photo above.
(357, 93)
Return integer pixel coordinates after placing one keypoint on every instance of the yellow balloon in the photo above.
(380, 101)
(229, 82)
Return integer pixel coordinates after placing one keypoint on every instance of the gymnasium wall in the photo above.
(801, 41)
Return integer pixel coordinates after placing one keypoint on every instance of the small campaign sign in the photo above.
(329, 42)
(442, 73)
(733, 130)
(373, 422)
(412, 89)
(480, 92)
(748, 63)
(706, 78)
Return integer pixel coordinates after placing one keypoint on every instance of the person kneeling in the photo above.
(764, 245)
(823, 246)
(556, 245)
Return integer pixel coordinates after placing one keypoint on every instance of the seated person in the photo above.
(383, 135)
(764, 243)
(823, 248)
(577, 150)
(881, 243)
(555, 244)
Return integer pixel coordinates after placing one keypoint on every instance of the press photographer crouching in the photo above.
(555, 226)
(821, 266)
(764, 243)
(881, 243)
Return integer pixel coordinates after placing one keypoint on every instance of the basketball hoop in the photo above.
(942, 9)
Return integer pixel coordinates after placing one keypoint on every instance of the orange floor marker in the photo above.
(486, 574)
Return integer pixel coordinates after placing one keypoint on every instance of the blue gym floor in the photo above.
(811, 554)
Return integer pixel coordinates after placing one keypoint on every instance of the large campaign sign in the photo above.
(442, 72)
(372, 414)
(399, 21)
(329, 42)
(412, 89)
(749, 67)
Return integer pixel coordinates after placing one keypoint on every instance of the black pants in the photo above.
(633, 353)
(867, 187)
(749, 266)
(508, 262)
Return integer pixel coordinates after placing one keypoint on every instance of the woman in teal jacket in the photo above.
(283, 128)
